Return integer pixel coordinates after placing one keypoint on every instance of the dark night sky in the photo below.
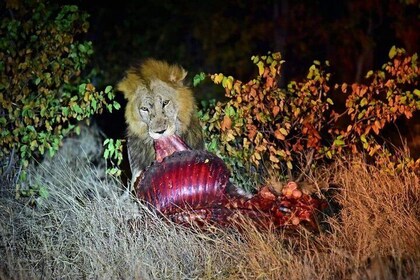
(221, 36)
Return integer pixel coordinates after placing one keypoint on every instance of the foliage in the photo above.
(114, 152)
(43, 91)
(264, 127)
(389, 94)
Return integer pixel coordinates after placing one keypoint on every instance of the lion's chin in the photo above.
(168, 132)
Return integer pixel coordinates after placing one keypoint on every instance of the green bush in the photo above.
(45, 88)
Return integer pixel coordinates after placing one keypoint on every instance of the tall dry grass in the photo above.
(85, 230)
(376, 235)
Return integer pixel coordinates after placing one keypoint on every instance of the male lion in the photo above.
(158, 105)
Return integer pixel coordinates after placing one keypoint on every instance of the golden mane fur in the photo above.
(157, 80)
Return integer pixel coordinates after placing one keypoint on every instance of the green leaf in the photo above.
(76, 108)
(51, 151)
(43, 192)
(82, 88)
(114, 171)
(213, 145)
(283, 131)
(65, 111)
(106, 154)
(108, 89)
(230, 111)
(23, 148)
(392, 52)
(338, 142)
(41, 149)
(33, 144)
(289, 165)
(369, 74)
(116, 105)
(82, 48)
(198, 79)
(260, 68)
(329, 155)
(330, 101)
(94, 104)
(77, 130)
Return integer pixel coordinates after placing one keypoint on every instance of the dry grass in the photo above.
(85, 230)
(377, 235)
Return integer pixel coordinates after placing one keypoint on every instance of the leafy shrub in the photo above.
(389, 94)
(44, 92)
(263, 127)
(114, 152)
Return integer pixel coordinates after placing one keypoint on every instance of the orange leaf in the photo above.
(408, 114)
(375, 129)
(279, 135)
(344, 87)
(274, 159)
(269, 82)
(378, 124)
(90, 87)
(226, 123)
(252, 130)
(237, 86)
(276, 110)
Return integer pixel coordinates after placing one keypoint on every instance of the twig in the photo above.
(309, 159)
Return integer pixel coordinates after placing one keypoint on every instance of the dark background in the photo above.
(221, 36)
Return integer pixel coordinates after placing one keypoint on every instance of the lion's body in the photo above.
(158, 105)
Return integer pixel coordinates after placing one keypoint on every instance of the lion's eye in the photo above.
(165, 102)
(144, 109)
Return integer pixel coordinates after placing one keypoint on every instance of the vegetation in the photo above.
(80, 224)
(45, 87)
(85, 229)
(263, 127)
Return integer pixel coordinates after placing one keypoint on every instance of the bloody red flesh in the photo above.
(193, 186)
(185, 178)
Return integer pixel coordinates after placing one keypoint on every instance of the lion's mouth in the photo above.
(168, 132)
(167, 145)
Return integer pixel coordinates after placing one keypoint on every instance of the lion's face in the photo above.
(159, 104)
(157, 108)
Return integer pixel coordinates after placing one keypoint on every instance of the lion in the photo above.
(159, 104)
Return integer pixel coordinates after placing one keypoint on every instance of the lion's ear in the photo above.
(177, 74)
(129, 84)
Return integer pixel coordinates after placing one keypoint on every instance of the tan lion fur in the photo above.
(145, 86)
